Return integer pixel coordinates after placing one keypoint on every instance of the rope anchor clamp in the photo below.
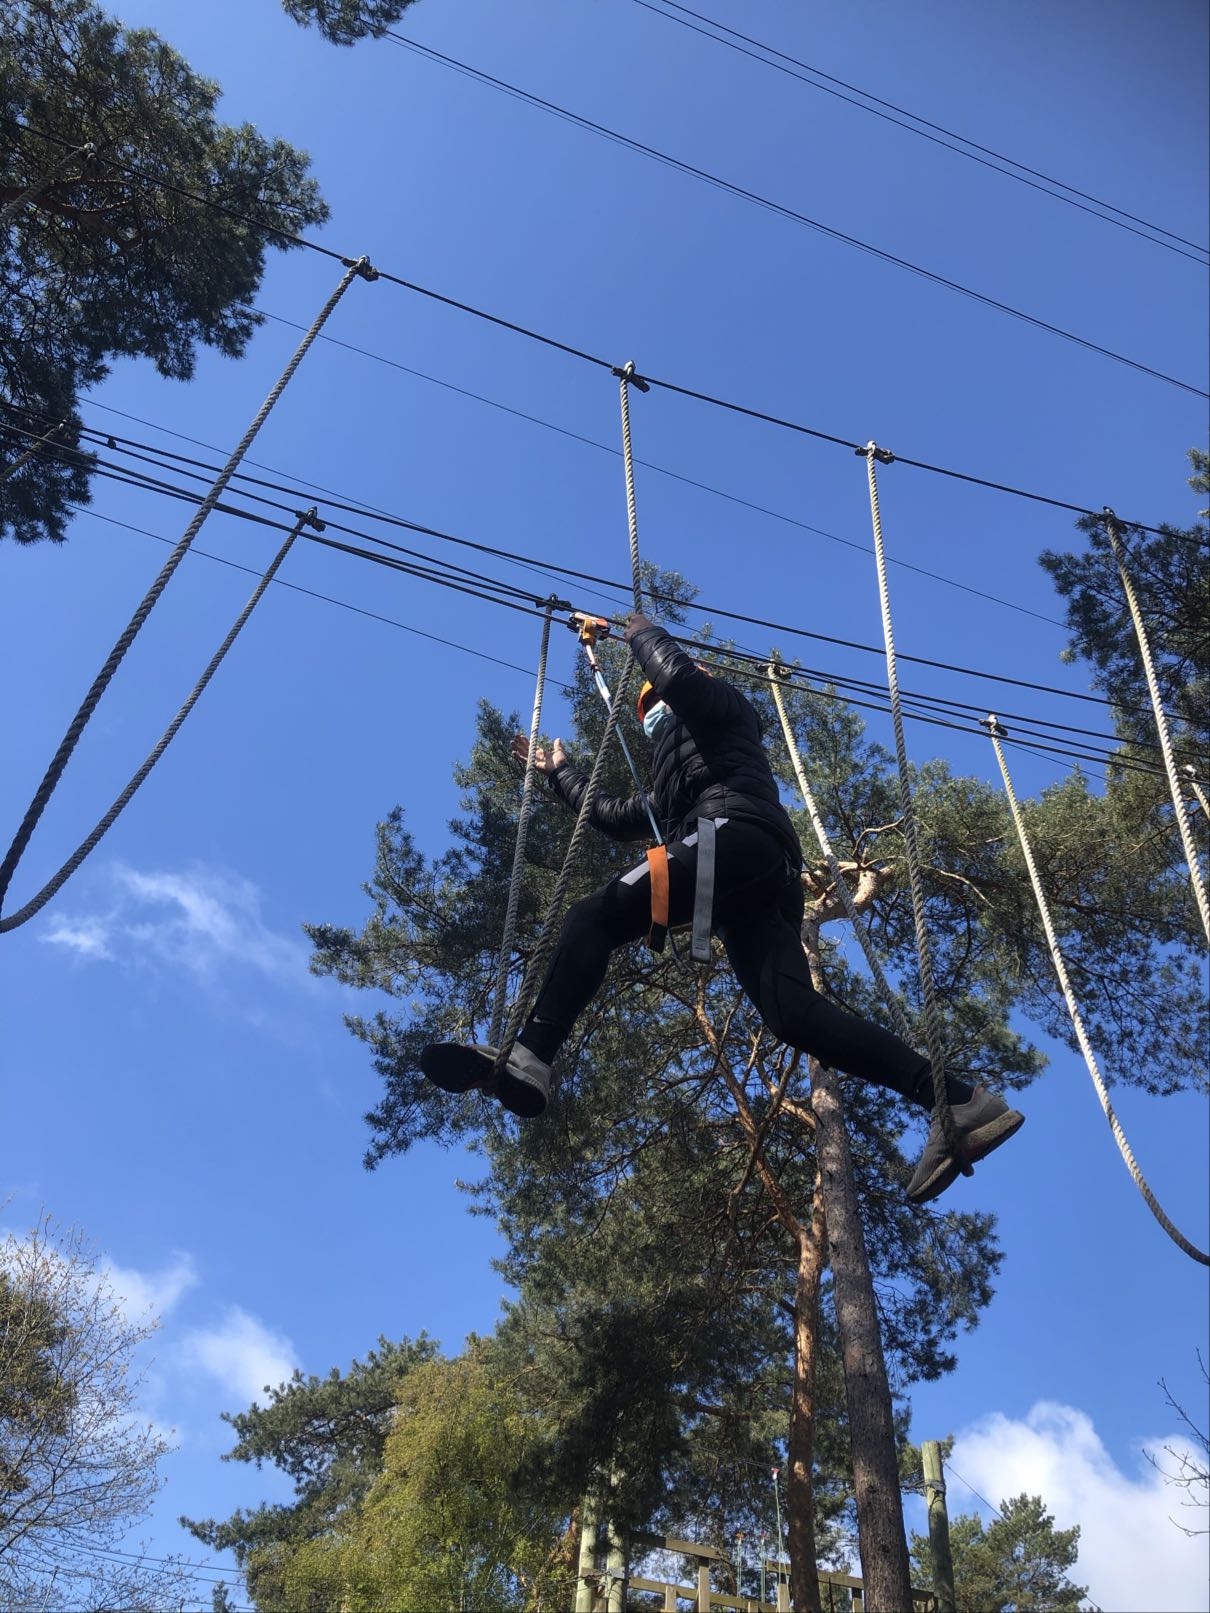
(993, 725)
(627, 372)
(364, 267)
(588, 629)
(311, 518)
(779, 669)
(884, 456)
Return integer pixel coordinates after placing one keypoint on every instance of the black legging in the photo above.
(758, 906)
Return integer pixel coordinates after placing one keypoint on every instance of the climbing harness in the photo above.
(778, 673)
(997, 733)
(101, 682)
(1113, 532)
(31, 192)
(932, 1018)
(527, 795)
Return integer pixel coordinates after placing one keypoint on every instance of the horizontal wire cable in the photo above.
(743, 193)
(522, 330)
(485, 593)
(784, 63)
(138, 479)
(362, 506)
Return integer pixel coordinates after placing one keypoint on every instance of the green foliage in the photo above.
(1017, 1562)
(344, 22)
(328, 1436)
(106, 263)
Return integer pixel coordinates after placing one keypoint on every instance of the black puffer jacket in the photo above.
(708, 760)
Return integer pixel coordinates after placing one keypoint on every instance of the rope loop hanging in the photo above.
(1056, 955)
(56, 883)
(523, 817)
(932, 1016)
(361, 268)
(777, 675)
(1112, 528)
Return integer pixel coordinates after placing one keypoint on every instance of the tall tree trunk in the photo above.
(800, 1490)
(881, 1539)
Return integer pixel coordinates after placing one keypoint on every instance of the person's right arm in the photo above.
(619, 817)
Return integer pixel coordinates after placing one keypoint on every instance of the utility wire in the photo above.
(784, 63)
(602, 363)
(782, 210)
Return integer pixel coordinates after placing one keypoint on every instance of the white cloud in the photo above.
(1132, 1558)
(88, 936)
(154, 1292)
(241, 1353)
(203, 919)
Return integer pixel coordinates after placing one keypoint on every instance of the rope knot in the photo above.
(364, 267)
(627, 372)
(884, 456)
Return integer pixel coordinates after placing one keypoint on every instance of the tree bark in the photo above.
(800, 1489)
(882, 1541)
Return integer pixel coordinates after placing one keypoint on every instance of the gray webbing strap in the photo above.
(703, 891)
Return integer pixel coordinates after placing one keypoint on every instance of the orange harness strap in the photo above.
(657, 867)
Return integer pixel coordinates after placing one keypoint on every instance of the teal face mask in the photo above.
(655, 718)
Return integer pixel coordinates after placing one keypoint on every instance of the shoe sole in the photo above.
(978, 1144)
(461, 1067)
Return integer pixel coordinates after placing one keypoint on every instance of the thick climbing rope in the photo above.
(103, 678)
(777, 673)
(32, 192)
(554, 913)
(52, 886)
(1199, 793)
(31, 452)
(546, 940)
(932, 1016)
(1056, 955)
(504, 962)
(627, 378)
(1113, 533)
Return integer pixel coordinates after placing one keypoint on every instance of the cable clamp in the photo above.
(884, 456)
(779, 670)
(627, 372)
(364, 267)
(552, 602)
(311, 518)
(994, 726)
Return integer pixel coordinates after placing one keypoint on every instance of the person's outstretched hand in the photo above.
(545, 760)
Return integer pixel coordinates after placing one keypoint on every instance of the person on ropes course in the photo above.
(730, 844)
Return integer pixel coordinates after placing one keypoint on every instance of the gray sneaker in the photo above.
(524, 1082)
(983, 1122)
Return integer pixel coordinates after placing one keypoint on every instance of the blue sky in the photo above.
(177, 1083)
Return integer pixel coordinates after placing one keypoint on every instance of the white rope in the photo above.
(1110, 523)
(932, 1016)
(777, 674)
(518, 873)
(1056, 956)
(32, 192)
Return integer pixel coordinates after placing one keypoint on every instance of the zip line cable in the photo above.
(550, 569)
(941, 136)
(782, 210)
(590, 358)
(103, 678)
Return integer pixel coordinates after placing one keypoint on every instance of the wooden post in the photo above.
(585, 1591)
(703, 1585)
(616, 1571)
(885, 1569)
(939, 1526)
